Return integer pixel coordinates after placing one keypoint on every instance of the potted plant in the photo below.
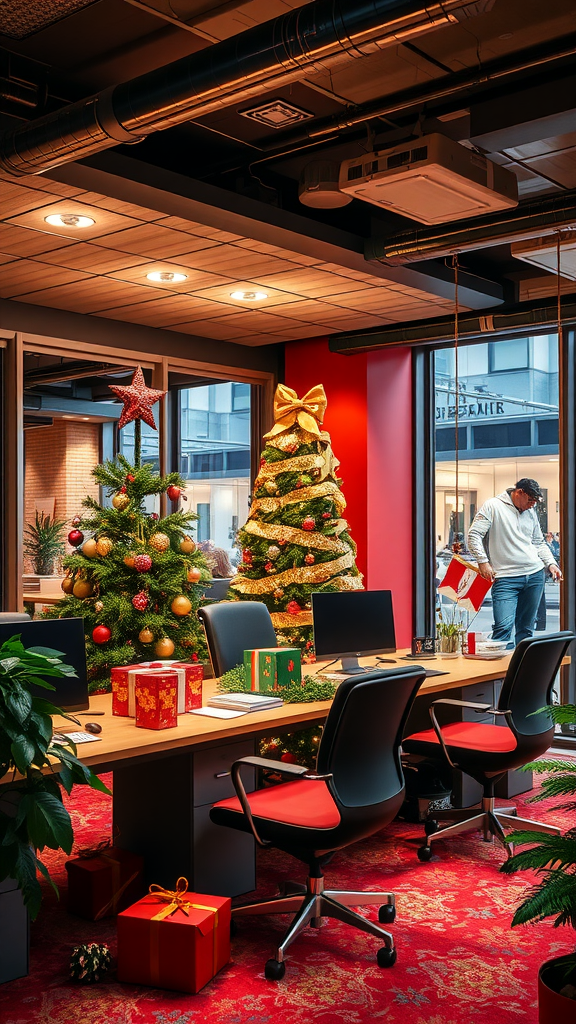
(43, 543)
(35, 767)
(553, 858)
(448, 631)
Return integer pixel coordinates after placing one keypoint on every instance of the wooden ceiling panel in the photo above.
(265, 323)
(23, 276)
(195, 279)
(15, 199)
(236, 262)
(21, 242)
(202, 230)
(222, 293)
(218, 331)
(313, 282)
(154, 241)
(93, 259)
(88, 296)
(276, 250)
(104, 222)
(138, 213)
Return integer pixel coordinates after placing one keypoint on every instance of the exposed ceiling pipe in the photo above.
(320, 35)
(529, 220)
(523, 318)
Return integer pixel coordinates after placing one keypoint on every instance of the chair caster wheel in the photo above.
(386, 957)
(387, 913)
(425, 853)
(274, 970)
(430, 827)
(233, 927)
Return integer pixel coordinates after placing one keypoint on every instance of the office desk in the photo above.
(165, 782)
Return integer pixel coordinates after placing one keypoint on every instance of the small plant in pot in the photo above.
(43, 543)
(553, 858)
(449, 629)
(35, 767)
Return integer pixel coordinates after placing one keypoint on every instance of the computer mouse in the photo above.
(93, 727)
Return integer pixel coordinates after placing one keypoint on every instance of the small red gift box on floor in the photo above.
(101, 882)
(156, 699)
(176, 940)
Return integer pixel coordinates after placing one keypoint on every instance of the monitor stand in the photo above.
(351, 666)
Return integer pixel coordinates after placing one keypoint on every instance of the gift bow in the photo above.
(308, 411)
(175, 898)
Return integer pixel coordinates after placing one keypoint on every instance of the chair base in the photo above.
(491, 821)
(310, 903)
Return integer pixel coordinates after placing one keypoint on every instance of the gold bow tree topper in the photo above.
(296, 540)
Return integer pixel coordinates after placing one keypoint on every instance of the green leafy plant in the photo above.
(43, 543)
(552, 857)
(35, 767)
(310, 689)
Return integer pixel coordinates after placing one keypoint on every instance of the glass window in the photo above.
(509, 418)
(214, 458)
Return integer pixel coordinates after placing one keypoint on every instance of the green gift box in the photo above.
(271, 668)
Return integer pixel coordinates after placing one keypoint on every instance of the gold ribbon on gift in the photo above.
(102, 851)
(175, 900)
(307, 412)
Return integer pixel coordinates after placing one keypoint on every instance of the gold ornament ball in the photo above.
(194, 575)
(187, 546)
(120, 501)
(82, 589)
(129, 559)
(146, 636)
(90, 548)
(159, 541)
(104, 546)
(181, 605)
(67, 585)
(164, 648)
(270, 486)
(278, 593)
(99, 606)
(273, 551)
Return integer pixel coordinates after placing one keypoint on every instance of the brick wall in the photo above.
(58, 463)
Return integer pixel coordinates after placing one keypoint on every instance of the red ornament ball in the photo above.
(289, 758)
(76, 520)
(309, 558)
(173, 492)
(129, 478)
(293, 608)
(101, 634)
(122, 489)
(247, 556)
(194, 657)
(142, 563)
(154, 515)
(269, 567)
(140, 601)
(326, 515)
(309, 523)
(75, 537)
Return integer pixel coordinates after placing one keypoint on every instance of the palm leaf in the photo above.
(555, 895)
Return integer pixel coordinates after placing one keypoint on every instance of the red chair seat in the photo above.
(308, 804)
(471, 736)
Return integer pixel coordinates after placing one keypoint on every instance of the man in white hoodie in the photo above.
(506, 540)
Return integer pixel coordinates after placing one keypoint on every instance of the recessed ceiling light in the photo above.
(69, 220)
(249, 296)
(166, 276)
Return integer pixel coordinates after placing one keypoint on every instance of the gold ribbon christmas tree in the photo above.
(295, 540)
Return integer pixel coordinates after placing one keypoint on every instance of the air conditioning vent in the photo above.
(543, 253)
(436, 182)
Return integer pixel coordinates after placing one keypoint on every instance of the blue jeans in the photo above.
(515, 601)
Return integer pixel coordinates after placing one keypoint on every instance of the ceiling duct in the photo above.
(529, 220)
(319, 186)
(320, 35)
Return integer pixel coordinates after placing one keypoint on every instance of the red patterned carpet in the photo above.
(458, 960)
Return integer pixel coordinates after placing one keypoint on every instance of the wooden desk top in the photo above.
(42, 598)
(120, 740)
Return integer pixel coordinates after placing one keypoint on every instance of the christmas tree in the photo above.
(295, 540)
(136, 579)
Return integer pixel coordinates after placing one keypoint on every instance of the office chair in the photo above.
(217, 589)
(14, 617)
(356, 789)
(487, 751)
(233, 627)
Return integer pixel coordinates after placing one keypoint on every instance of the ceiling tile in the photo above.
(22, 242)
(15, 199)
(94, 259)
(195, 279)
(88, 296)
(104, 222)
(153, 241)
(23, 276)
(202, 230)
(306, 282)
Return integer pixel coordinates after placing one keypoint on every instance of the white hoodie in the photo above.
(516, 546)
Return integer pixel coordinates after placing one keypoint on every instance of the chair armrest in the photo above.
(461, 704)
(436, 725)
(276, 766)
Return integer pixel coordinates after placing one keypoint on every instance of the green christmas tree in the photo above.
(136, 580)
(295, 540)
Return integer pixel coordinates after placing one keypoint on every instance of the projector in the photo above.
(432, 180)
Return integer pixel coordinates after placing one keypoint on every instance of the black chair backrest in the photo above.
(361, 740)
(529, 681)
(233, 627)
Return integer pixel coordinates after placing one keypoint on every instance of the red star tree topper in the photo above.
(138, 400)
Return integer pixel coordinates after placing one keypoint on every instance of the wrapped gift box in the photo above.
(124, 678)
(156, 698)
(175, 945)
(270, 668)
(103, 882)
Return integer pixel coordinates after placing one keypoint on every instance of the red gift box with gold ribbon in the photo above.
(103, 881)
(174, 939)
(123, 680)
(156, 699)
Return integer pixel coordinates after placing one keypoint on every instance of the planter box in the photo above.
(14, 932)
(552, 1007)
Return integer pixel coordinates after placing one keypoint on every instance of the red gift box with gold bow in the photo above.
(174, 939)
(103, 880)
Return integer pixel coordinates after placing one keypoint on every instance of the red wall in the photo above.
(369, 418)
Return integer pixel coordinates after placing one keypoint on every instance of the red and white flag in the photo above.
(464, 584)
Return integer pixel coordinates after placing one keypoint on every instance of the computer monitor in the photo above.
(67, 636)
(353, 624)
